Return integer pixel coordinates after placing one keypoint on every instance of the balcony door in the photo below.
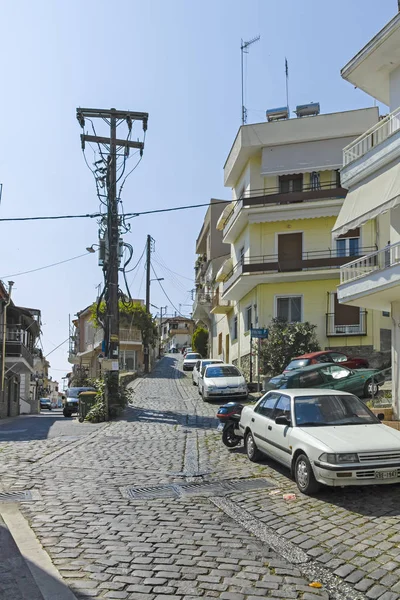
(346, 318)
(290, 251)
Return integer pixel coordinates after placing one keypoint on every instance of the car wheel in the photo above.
(371, 388)
(193, 382)
(304, 476)
(253, 452)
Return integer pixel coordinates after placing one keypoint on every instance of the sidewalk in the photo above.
(16, 580)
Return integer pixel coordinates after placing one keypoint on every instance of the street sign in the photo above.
(259, 333)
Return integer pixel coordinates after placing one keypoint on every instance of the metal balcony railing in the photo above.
(311, 260)
(335, 329)
(274, 195)
(375, 261)
(202, 298)
(218, 301)
(372, 138)
(130, 335)
(19, 343)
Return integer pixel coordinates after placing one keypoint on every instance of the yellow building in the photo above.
(287, 194)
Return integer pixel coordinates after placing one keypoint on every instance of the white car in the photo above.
(324, 436)
(200, 366)
(190, 360)
(223, 381)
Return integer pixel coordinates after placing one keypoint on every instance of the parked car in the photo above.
(362, 382)
(186, 350)
(71, 402)
(326, 356)
(223, 381)
(45, 403)
(190, 360)
(200, 364)
(324, 437)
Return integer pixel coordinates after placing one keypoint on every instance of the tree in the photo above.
(286, 340)
(200, 341)
(132, 315)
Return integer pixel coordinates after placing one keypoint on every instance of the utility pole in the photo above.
(111, 145)
(3, 354)
(160, 334)
(148, 266)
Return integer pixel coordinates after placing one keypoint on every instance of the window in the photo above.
(315, 181)
(311, 379)
(234, 329)
(282, 409)
(241, 255)
(220, 343)
(222, 371)
(290, 183)
(247, 318)
(385, 313)
(266, 406)
(289, 308)
(349, 244)
(337, 357)
(335, 372)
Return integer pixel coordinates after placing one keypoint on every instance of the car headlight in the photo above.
(338, 459)
(211, 388)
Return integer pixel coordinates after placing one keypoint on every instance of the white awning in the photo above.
(377, 194)
(304, 157)
(224, 270)
(224, 216)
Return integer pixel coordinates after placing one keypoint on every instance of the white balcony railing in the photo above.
(371, 138)
(376, 261)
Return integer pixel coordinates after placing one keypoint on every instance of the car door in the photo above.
(196, 369)
(279, 435)
(260, 421)
(340, 378)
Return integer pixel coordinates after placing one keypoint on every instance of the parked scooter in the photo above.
(229, 417)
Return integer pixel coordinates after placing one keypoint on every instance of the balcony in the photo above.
(130, 336)
(334, 329)
(272, 197)
(19, 348)
(220, 306)
(372, 281)
(201, 306)
(377, 147)
(200, 270)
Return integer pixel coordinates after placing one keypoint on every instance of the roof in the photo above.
(312, 354)
(307, 391)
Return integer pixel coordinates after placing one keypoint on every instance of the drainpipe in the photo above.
(3, 356)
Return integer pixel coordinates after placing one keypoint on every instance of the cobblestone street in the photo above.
(123, 511)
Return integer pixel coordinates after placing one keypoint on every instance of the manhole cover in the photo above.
(204, 488)
(15, 496)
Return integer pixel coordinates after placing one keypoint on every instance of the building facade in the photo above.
(287, 194)
(371, 172)
(211, 254)
(176, 333)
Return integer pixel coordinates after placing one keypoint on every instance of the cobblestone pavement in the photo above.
(108, 543)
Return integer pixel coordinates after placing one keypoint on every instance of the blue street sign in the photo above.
(259, 333)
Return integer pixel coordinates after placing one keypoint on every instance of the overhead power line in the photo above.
(61, 262)
(165, 293)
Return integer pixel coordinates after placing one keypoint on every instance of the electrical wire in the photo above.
(137, 264)
(56, 348)
(174, 272)
(61, 262)
(165, 293)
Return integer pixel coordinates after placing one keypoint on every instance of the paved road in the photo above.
(135, 509)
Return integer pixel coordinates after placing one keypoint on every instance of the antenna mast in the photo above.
(243, 50)
(287, 84)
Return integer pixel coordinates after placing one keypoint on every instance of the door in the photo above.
(260, 421)
(279, 435)
(227, 348)
(290, 251)
(341, 378)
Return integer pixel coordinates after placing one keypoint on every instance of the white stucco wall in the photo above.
(394, 88)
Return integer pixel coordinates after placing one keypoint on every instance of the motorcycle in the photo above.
(229, 417)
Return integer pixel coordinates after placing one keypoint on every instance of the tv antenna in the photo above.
(244, 50)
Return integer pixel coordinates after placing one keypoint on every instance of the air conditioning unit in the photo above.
(308, 110)
(277, 114)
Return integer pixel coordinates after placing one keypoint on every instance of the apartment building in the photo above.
(176, 333)
(371, 172)
(287, 194)
(211, 254)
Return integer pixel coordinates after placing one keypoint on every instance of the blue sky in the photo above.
(180, 61)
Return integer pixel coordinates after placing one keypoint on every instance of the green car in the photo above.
(362, 382)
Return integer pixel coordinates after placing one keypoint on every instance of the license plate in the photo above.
(386, 474)
(220, 427)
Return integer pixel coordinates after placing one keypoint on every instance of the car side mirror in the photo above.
(282, 420)
(381, 416)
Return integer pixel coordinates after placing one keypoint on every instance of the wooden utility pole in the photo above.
(148, 266)
(111, 147)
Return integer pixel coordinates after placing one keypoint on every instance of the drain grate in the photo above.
(15, 496)
(204, 488)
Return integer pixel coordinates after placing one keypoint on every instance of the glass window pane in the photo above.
(341, 247)
(354, 246)
(283, 308)
(295, 309)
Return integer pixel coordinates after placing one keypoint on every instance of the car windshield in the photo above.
(222, 371)
(278, 382)
(329, 410)
(205, 363)
(297, 363)
(193, 356)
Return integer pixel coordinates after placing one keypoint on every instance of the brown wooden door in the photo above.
(227, 348)
(290, 251)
